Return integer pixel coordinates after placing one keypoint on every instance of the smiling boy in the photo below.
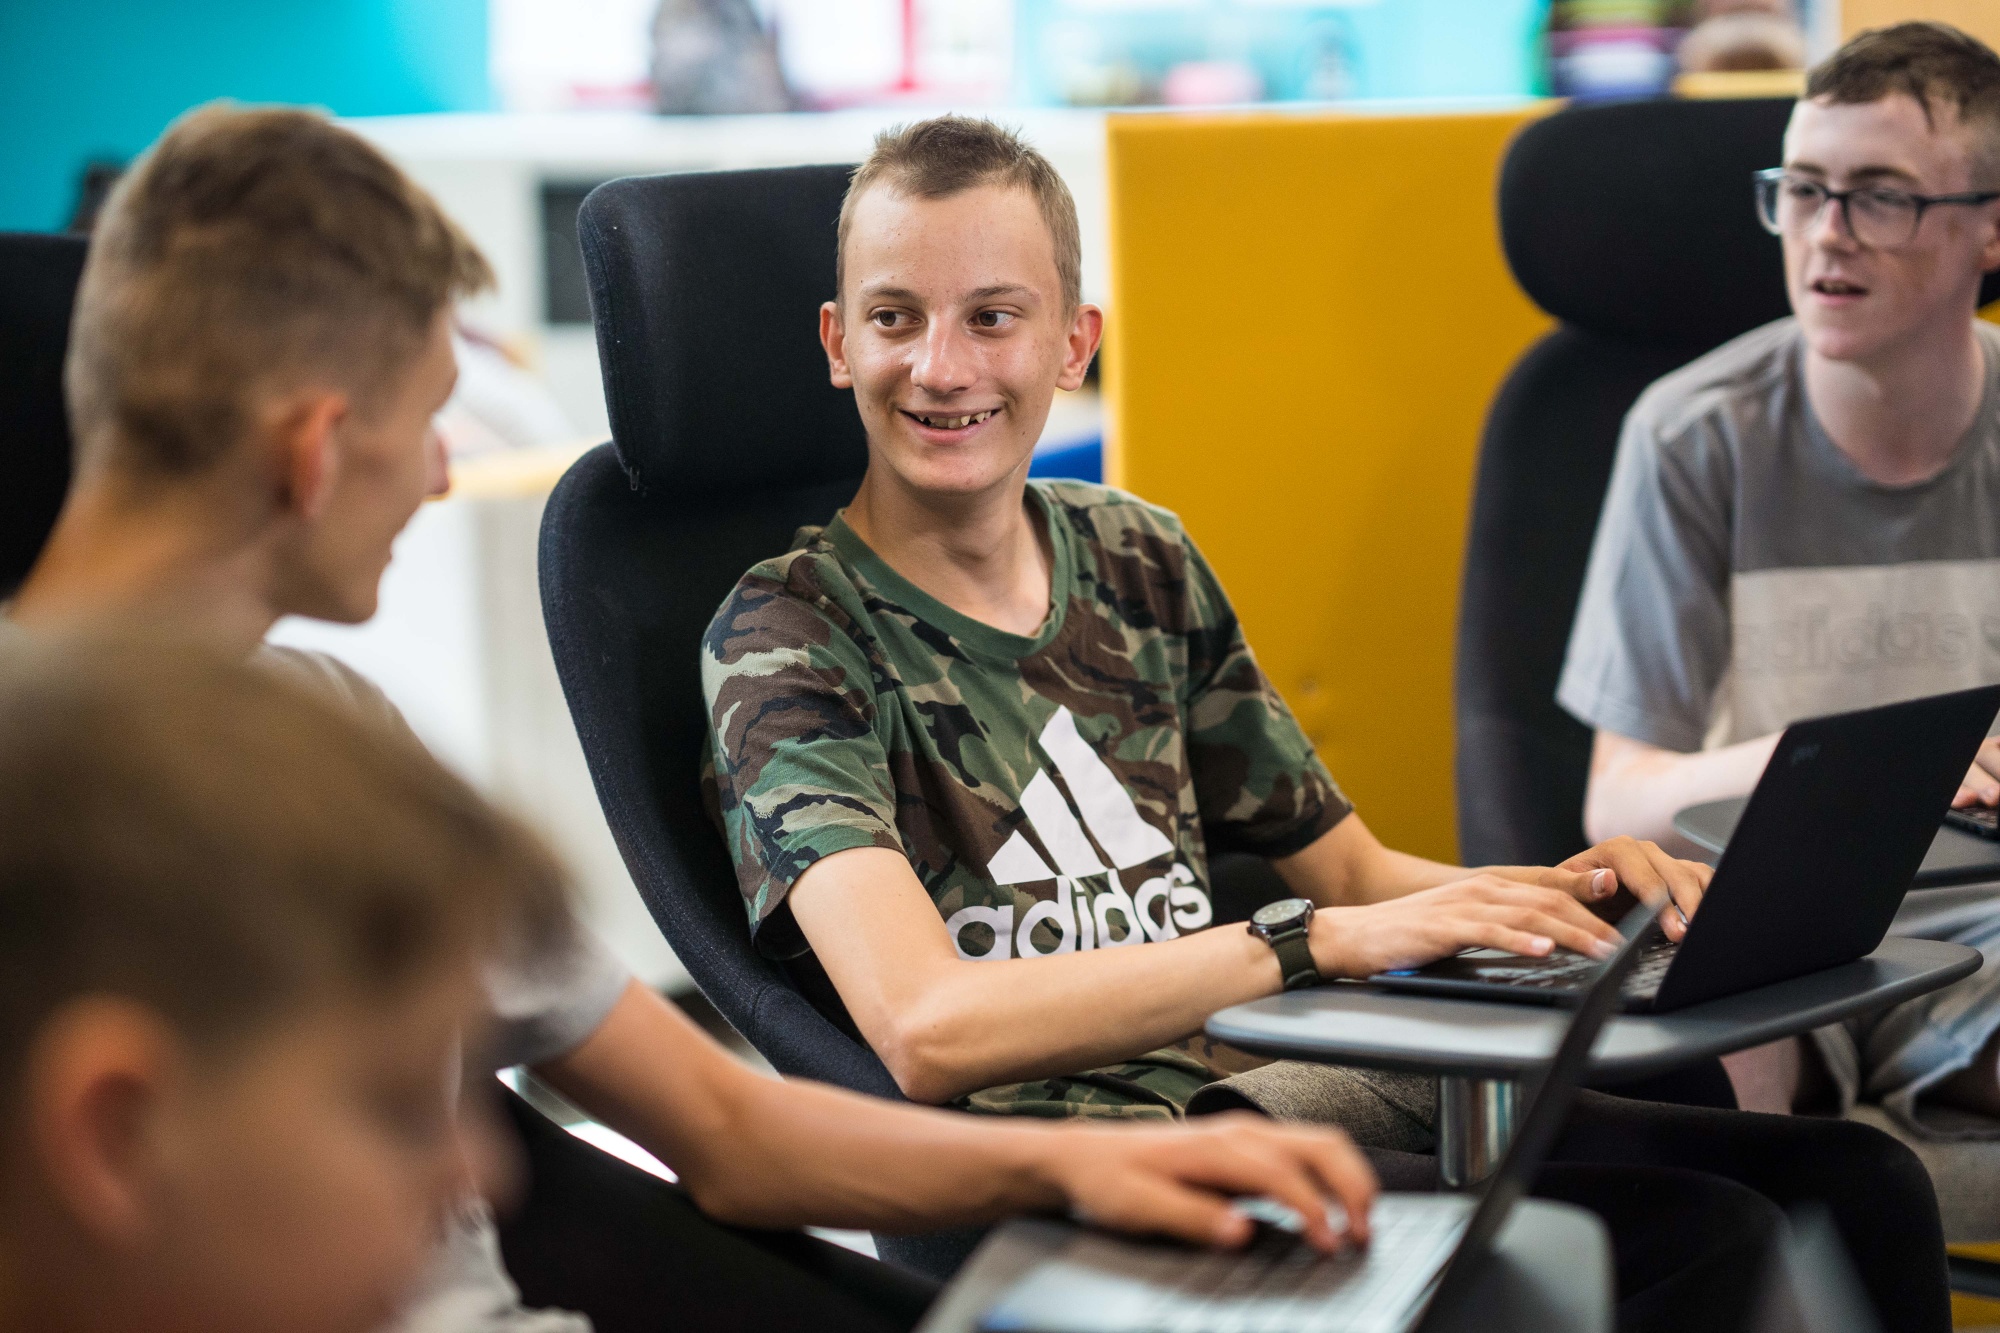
(977, 734)
(974, 740)
(1807, 520)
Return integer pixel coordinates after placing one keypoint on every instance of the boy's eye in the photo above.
(992, 319)
(887, 319)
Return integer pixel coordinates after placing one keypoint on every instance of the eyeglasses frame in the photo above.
(1924, 202)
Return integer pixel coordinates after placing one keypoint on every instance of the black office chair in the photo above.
(726, 438)
(1633, 224)
(38, 277)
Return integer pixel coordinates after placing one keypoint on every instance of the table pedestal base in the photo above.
(1476, 1118)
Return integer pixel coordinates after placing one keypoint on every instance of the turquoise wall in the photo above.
(101, 78)
(1448, 48)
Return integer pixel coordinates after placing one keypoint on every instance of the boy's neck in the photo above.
(163, 560)
(1899, 417)
(981, 555)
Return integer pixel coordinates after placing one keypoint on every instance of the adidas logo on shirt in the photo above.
(1083, 914)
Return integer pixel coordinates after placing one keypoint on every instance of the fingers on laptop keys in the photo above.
(1314, 1182)
(1270, 1215)
(1536, 919)
(1652, 876)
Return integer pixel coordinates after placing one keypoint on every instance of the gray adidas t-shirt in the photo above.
(1746, 575)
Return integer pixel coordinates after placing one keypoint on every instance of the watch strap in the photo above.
(1295, 958)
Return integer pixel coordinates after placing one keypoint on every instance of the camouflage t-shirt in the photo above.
(1052, 793)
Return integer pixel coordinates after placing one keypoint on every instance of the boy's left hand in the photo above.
(1641, 868)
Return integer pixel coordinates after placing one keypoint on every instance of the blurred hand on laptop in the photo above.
(1182, 1182)
(1982, 781)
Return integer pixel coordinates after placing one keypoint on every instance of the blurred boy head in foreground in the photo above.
(240, 938)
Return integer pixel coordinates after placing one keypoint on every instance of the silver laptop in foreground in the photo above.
(1424, 1246)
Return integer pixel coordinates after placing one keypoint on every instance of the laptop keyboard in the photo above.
(1983, 820)
(1276, 1285)
(1572, 971)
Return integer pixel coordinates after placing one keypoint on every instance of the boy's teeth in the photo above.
(955, 423)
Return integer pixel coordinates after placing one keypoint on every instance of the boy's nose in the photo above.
(943, 364)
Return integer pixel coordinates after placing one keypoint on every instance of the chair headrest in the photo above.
(705, 290)
(38, 278)
(1637, 218)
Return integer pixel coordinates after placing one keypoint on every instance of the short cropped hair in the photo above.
(1934, 63)
(247, 253)
(207, 839)
(947, 155)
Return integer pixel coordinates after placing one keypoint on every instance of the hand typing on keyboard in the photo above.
(1982, 781)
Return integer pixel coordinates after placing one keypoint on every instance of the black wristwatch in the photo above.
(1282, 925)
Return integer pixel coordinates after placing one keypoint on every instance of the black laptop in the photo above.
(1423, 1257)
(1811, 878)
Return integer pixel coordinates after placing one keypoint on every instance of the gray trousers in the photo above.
(1891, 1058)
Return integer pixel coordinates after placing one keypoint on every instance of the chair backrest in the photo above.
(38, 277)
(726, 438)
(1633, 224)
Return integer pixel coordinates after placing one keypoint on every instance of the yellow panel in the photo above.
(1981, 18)
(1312, 314)
(1971, 1311)
(1727, 83)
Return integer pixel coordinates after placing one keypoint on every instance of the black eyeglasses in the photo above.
(1876, 216)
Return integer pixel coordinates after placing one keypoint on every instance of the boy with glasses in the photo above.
(1807, 520)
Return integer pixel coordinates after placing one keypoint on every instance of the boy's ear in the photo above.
(1086, 331)
(308, 450)
(98, 1075)
(833, 337)
(1989, 253)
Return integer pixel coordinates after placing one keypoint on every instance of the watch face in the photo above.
(1280, 913)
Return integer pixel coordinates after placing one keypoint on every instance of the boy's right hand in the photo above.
(1481, 911)
(1179, 1181)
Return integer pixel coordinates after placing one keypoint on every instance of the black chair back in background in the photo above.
(38, 277)
(726, 438)
(1634, 225)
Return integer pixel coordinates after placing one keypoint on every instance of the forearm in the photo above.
(961, 1026)
(761, 1152)
(1348, 866)
(1636, 789)
(764, 1152)
(800, 1153)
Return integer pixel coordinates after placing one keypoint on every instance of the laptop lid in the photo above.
(1549, 1103)
(1842, 816)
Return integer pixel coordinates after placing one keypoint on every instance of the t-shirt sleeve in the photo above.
(1259, 785)
(799, 772)
(546, 1004)
(1650, 643)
